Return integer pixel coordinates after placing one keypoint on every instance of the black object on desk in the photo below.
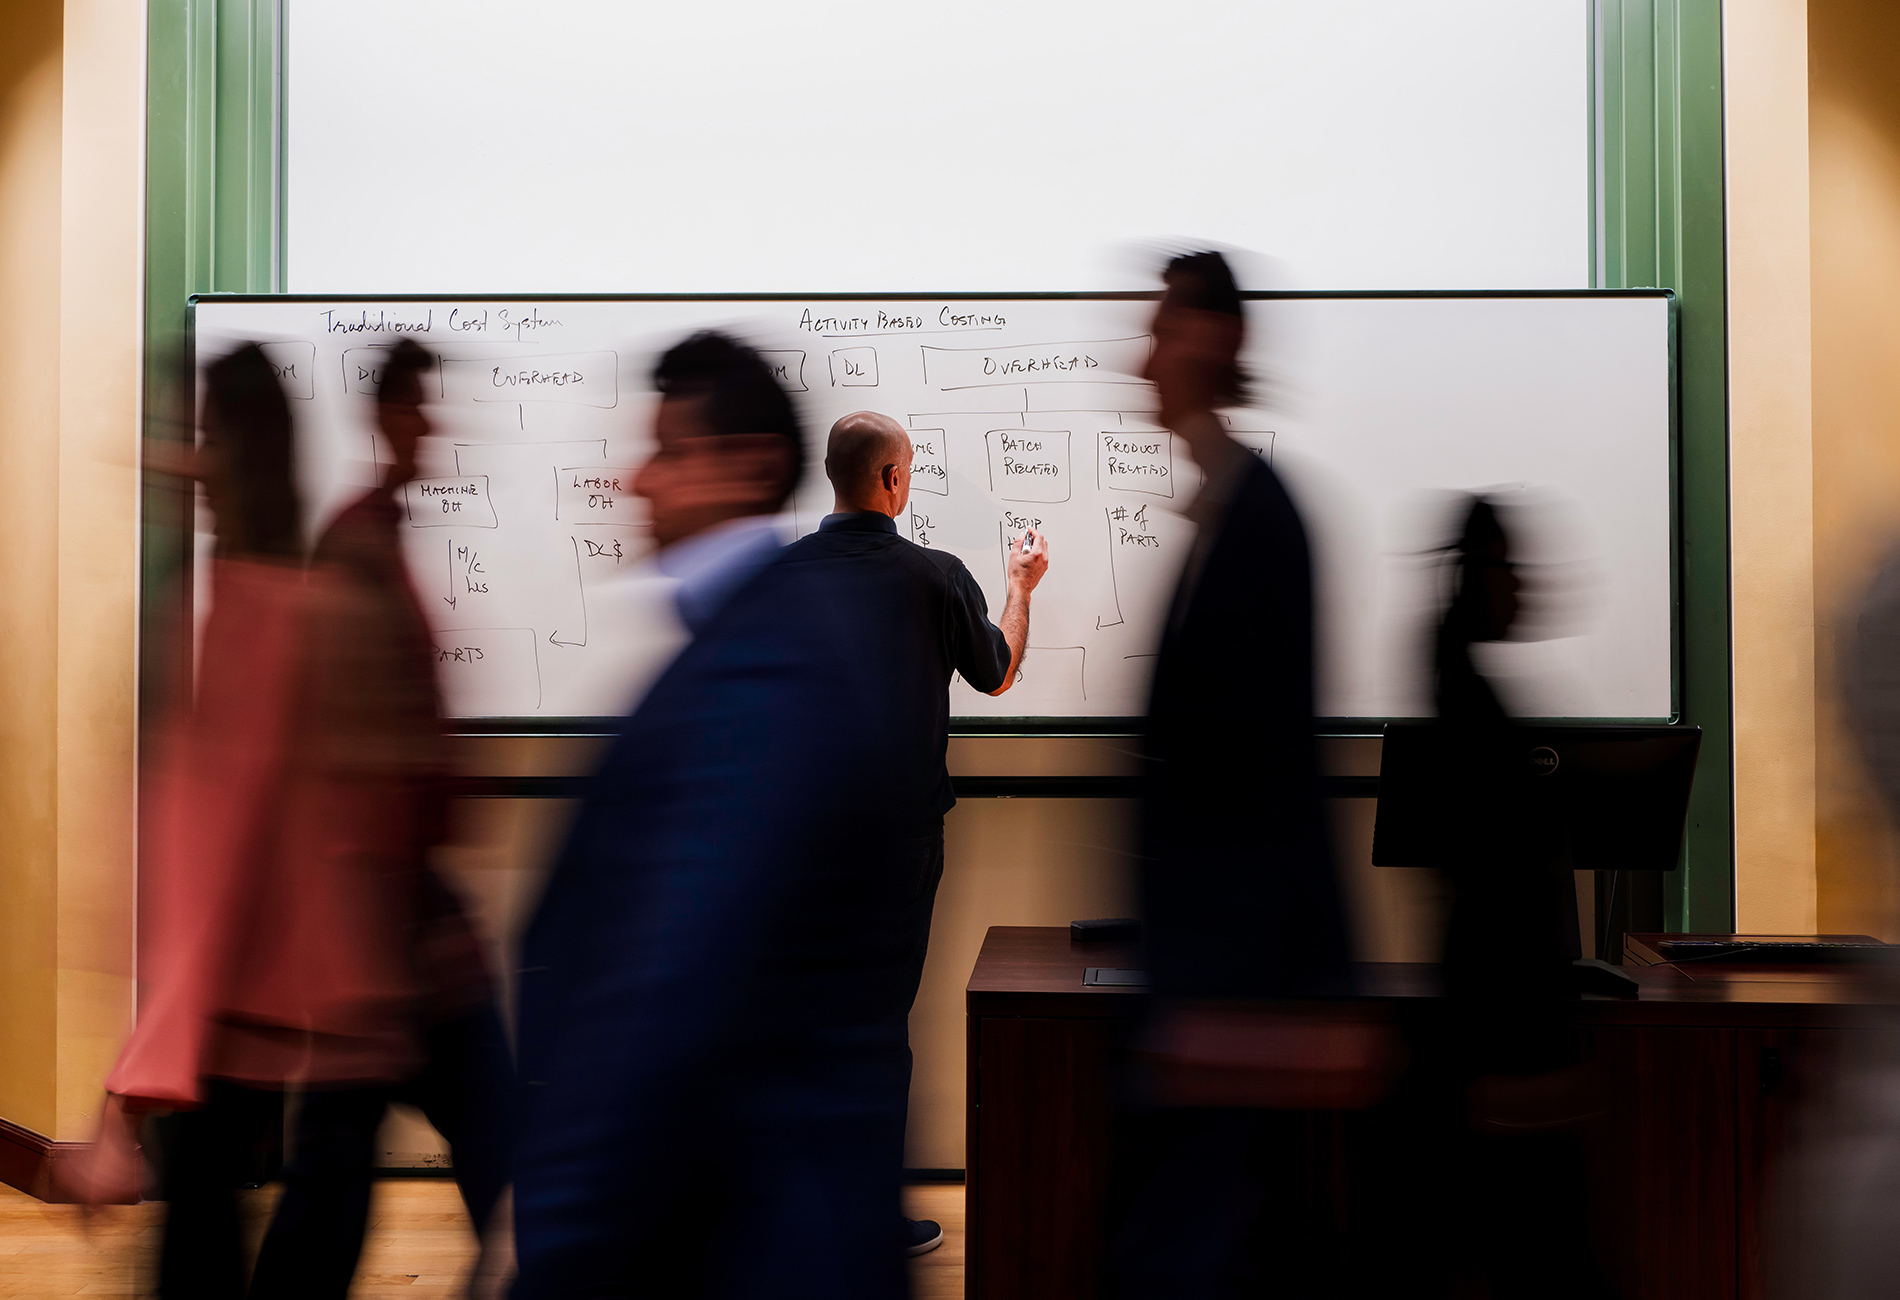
(1619, 795)
(1113, 929)
(1592, 976)
(1770, 949)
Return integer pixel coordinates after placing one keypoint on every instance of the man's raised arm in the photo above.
(1028, 561)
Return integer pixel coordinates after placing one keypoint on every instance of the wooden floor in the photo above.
(419, 1245)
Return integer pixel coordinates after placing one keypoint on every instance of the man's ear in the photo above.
(888, 477)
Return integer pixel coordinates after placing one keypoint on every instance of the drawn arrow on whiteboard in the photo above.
(554, 638)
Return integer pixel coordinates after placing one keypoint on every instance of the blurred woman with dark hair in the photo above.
(1499, 1085)
(279, 894)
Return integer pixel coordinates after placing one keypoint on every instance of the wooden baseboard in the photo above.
(27, 1159)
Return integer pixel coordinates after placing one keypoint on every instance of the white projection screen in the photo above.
(855, 146)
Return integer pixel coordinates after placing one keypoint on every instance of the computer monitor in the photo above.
(1616, 797)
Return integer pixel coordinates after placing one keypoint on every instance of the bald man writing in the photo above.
(930, 621)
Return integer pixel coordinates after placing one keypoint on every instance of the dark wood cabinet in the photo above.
(1699, 1081)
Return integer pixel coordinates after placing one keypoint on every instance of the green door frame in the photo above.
(214, 223)
(1658, 222)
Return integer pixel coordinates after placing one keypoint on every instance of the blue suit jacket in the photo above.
(713, 1083)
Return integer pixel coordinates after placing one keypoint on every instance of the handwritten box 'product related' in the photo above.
(1135, 462)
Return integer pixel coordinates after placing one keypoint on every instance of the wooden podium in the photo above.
(1699, 1077)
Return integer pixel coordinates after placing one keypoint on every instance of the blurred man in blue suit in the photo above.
(715, 1095)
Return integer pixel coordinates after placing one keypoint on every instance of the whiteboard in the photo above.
(533, 560)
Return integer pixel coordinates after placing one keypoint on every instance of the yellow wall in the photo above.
(29, 458)
(1854, 145)
(1771, 460)
(71, 200)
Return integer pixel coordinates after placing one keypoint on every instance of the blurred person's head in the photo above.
(1198, 330)
(867, 459)
(1484, 600)
(247, 461)
(399, 415)
(728, 439)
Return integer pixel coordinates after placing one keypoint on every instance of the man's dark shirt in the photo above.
(932, 614)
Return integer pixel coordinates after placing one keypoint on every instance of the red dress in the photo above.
(280, 883)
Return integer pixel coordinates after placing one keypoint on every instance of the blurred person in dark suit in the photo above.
(929, 610)
(715, 1087)
(384, 714)
(1240, 898)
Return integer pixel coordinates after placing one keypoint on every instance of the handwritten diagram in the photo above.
(532, 552)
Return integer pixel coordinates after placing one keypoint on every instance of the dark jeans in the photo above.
(924, 857)
(316, 1236)
(317, 1233)
(466, 1090)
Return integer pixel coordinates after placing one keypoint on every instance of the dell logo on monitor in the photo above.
(1543, 760)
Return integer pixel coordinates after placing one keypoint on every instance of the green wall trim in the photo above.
(213, 141)
(1659, 222)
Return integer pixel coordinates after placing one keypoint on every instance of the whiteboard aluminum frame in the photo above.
(1049, 727)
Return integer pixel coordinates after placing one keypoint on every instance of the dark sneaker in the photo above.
(921, 1236)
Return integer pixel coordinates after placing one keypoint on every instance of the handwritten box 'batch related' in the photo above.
(1028, 464)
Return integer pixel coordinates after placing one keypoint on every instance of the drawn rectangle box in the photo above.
(363, 371)
(438, 502)
(1135, 462)
(854, 368)
(575, 378)
(594, 494)
(1084, 361)
(787, 366)
(1258, 441)
(1028, 464)
(295, 365)
(929, 468)
(488, 672)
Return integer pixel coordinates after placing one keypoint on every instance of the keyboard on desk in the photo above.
(1768, 949)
